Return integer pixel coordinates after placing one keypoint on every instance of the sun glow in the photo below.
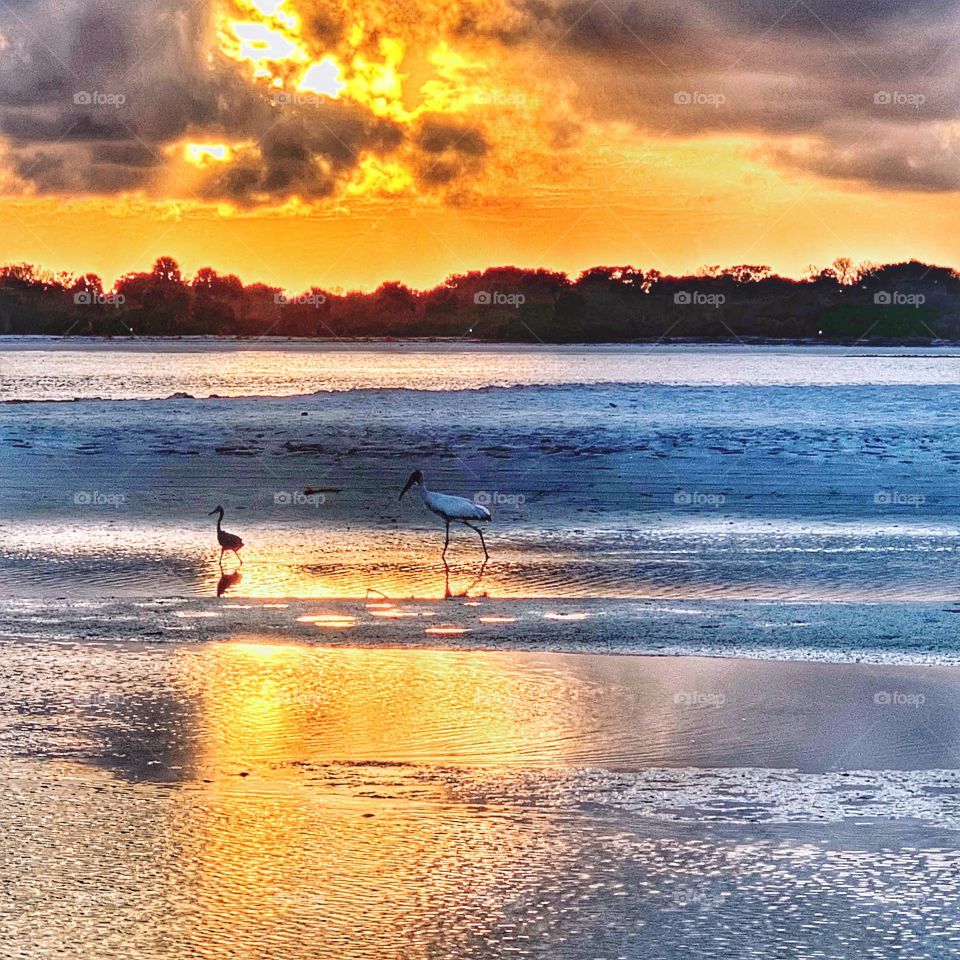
(258, 43)
(376, 176)
(366, 68)
(200, 154)
(373, 63)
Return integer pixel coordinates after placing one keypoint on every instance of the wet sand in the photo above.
(881, 633)
(617, 491)
(255, 799)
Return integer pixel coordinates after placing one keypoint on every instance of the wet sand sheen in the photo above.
(263, 708)
(257, 799)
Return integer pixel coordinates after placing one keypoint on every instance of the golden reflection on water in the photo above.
(354, 567)
(326, 829)
(266, 705)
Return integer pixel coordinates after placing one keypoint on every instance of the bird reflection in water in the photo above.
(228, 581)
(465, 592)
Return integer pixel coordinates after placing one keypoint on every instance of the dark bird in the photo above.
(227, 541)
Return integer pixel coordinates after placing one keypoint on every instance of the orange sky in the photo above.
(347, 144)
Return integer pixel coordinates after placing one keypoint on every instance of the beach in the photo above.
(700, 702)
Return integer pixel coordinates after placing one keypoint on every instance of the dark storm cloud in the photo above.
(93, 92)
(452, 151)
(287, 161)
(871, 85)
(70, 170)
(901, 157)
(437, 136)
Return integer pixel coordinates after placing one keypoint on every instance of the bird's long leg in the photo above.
(446, 544)
(236, 553)
(222, 551)
(486, 556)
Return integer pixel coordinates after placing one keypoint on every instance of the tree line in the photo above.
(908, 302)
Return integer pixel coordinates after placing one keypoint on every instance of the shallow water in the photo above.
(255, 799)
(49, 369)
(738, 492)
(179, 778)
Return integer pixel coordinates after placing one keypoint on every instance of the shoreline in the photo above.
(727, 631)
(745, 342)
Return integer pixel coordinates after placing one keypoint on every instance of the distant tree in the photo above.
(844, 271)
(745, 273)
(216, 302)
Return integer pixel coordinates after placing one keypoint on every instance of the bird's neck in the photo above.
(422, 490)
(219, 521)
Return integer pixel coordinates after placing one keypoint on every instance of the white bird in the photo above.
(227, 541)
(451, 509)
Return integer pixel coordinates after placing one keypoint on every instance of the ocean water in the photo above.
(44, 368)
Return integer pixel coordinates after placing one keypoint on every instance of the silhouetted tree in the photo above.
(899, 302)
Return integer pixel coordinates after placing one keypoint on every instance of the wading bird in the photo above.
(451, 509)
(227, 541)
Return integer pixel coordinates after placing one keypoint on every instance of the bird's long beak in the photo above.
(212, 512)
(410, 483)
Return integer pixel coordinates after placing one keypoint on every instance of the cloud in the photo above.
(96, 94)
(900, 158)
(872, 87)
(304, 154)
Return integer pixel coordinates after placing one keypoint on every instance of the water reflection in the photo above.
(269, 706)
(228, 581)
(310, 567)
(466, 591)
(296, 802)
(380, 854)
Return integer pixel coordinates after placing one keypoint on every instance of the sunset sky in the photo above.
(342, 144)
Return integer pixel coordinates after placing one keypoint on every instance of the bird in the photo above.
(451, 509)
(227, 541)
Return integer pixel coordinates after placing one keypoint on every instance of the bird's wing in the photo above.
(456, 508)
